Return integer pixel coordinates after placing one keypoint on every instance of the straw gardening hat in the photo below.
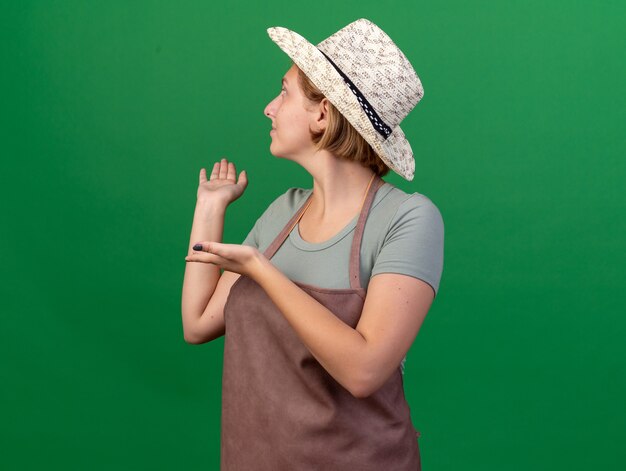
(367, 78)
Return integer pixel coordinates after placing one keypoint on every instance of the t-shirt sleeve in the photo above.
(413, 244)
(253, 237)
(276, 215)
(257, 237)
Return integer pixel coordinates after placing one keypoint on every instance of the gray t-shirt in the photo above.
(403, 234)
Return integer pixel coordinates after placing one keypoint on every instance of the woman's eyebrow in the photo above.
(284, 81)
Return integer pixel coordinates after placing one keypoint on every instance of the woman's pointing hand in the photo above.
(241, 259)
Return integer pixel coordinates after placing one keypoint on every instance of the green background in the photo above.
(109, 110)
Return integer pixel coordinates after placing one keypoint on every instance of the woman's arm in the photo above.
(360, 359)
(204, 321)
(201, 279)
(363, 358)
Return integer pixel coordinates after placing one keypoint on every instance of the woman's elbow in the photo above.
(360, 393)
(193, 337)
(364, 385)
(197, 337)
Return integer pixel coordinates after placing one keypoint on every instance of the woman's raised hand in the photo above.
(222, 185)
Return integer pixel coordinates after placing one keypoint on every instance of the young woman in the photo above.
(323, 299)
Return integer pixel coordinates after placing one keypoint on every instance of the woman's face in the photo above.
(291, 121)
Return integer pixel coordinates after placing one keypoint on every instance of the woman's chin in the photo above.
(275, 152)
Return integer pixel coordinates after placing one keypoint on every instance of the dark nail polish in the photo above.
(197, 247)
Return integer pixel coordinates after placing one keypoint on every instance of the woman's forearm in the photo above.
(201, 279)
(339, 348)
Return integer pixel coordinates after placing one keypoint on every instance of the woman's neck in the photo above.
(339, 187)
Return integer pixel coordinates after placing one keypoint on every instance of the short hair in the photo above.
(339, 137)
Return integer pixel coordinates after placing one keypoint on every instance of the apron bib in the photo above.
(281, 410)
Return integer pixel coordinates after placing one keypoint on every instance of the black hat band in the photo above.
(376, 120)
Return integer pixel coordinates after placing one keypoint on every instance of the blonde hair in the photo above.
(339, 137)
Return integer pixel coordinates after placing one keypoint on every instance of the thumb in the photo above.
(243, 179)
(202, 176)
(216, 248)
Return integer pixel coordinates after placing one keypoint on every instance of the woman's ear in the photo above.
(321, 117)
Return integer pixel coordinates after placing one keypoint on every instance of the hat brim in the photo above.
(395, 151)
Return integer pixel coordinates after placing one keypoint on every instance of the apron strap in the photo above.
(355, 251)
(280, 238)
(355, 260)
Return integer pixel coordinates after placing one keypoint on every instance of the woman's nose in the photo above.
(270, 108)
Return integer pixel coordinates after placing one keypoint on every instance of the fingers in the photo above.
(232, 173)
(202, 175)
(208, 247)
(204, 257)
(223, 169)
(216, 171)
(207, 252)
(216, 248)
